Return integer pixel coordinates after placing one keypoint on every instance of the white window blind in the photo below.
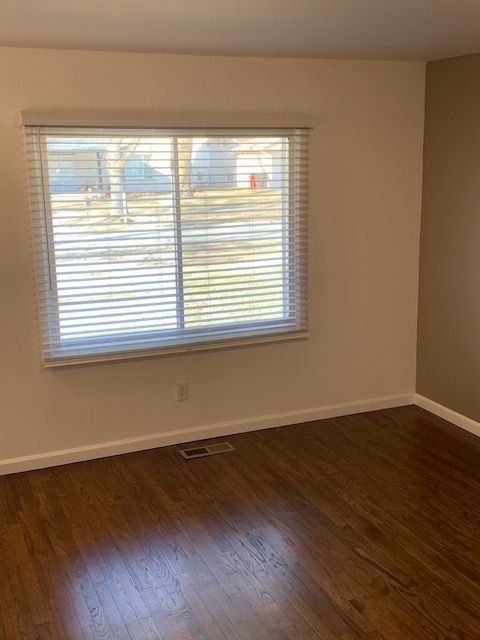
(151, 240)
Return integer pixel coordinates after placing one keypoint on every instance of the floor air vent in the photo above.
(208, 450)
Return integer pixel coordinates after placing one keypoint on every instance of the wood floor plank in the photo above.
(365, 527)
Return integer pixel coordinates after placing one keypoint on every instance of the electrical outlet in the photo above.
(182, 391)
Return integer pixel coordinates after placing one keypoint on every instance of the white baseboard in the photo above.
(163, 439)
(452, 416)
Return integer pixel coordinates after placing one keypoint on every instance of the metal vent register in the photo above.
(208, 450)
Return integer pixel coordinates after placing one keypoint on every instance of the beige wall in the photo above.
(449, 300)
(366, 169)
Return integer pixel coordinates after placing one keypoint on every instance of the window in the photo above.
(164, 240)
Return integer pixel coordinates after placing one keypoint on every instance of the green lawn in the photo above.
(237, 264)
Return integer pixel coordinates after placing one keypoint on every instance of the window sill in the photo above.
(59, 362)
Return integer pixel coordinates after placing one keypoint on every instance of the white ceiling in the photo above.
(386, 29)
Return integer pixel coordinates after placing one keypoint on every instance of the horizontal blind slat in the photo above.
(145, 343)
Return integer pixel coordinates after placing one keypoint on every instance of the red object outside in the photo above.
(253, 181)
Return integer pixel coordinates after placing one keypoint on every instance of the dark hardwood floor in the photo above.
(366, 526)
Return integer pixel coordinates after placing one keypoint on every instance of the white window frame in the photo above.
(293, 328)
